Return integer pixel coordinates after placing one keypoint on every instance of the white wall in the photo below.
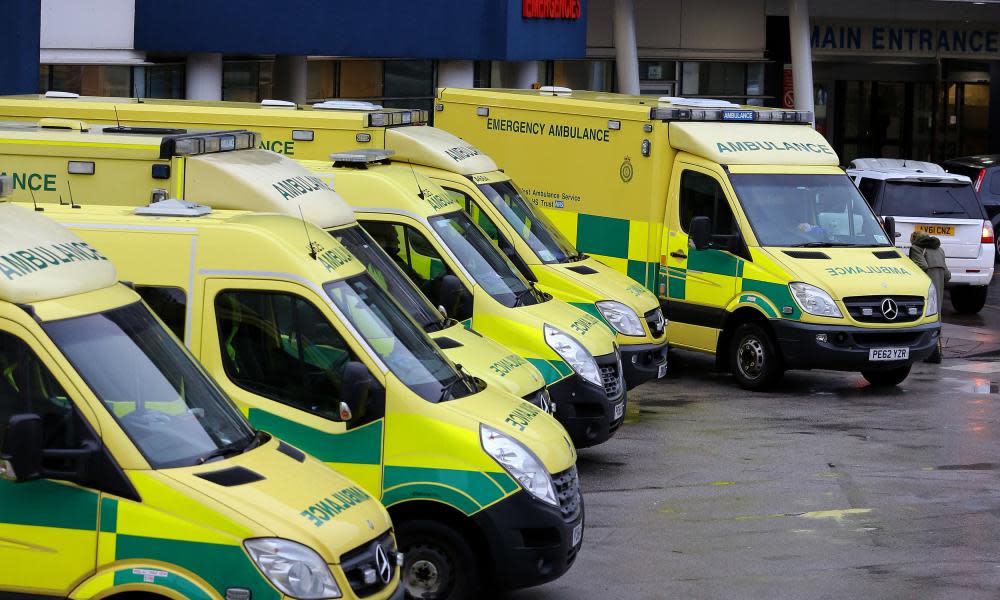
(82, 31)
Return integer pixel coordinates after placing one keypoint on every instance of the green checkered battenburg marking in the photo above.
(361, 446)
(46, 503)
(602, 235)
(468, 491)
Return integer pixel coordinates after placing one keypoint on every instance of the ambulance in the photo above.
(125, 471)
(536, 247)
(457, 267)
(481, 485)
(760, 248)
(72, 162)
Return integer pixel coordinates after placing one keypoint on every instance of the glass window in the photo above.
(27, 386)
(402, 346)
(282, 347)
(91, 80)
(164, 80)
(541, 235)
(481, 74)
(807, 210)
(247, 80)
(169, 303)
(869, 189)
(409, 79)
(321, 80)
(594, 75)
(702, 196)
(166, 404)
(361, 79)
(915, 199)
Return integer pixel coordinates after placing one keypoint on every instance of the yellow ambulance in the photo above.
(457, 267)
(126, 472)
(481, 485)
(72, 162)
(539, 250)
(760, 248)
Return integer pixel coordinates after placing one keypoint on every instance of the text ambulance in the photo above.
(760, 248)
(125, 470)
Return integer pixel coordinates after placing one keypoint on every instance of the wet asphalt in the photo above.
(821, 488)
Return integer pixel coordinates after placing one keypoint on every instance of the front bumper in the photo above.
(530, 542)
(589, 414)
(846, 348)
(642, 362)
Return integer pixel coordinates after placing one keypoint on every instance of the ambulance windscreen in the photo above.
(800, 210)
(541, 235)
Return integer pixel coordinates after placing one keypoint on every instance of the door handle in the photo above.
(678, 254)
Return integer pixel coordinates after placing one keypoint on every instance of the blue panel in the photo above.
(19, 46)
(445, 29)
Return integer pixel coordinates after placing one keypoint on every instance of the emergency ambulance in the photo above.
(457, 267)
(538, 249)
(481, 485)
(759, 246)
(126, 472)
(72, 162)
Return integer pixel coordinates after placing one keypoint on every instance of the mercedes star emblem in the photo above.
(889, 309)
(382, 564)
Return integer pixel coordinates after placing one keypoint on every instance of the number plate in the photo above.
(936, 229)
(577, 534)
(888, 354)
(619, 410)
(661, 371)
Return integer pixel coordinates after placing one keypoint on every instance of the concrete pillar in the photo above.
(626, 56)
(802, 73)
(525, 74)
(290, 76)
(204, 76)
(456, 73)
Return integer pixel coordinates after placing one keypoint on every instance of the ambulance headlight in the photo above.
(520, 463)
(571, 351)
(813, 300)
(621, 317)
(932, 307)
(294, 569)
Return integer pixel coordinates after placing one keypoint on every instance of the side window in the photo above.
(478, 216)
(27, 386)
(281, 347)
(169, 303)
(994, 176)
(702, 196)
(869, 189)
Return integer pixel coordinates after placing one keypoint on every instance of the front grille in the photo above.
(568, 492)
(612, 380)
(655, 322)
(870, 309)
(543, 400)
(880, 339)
(361, 559)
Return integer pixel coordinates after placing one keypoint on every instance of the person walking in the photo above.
(926, 252)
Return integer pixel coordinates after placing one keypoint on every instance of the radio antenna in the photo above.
(305, 227)
(71, 203)
(420, 189)
(33, 201)
(117, 120)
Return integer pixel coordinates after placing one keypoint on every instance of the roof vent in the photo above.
(697, 102)
(57, 94)
(346, 105)
(554, 89)
(269, 103)
(174, 208)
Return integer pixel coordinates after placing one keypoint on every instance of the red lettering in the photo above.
(550, 9)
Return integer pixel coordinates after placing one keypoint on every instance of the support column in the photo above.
(626, 55)
(290, 75)
(456, 73)
(204, 76)
(525, 74)
(802, 74)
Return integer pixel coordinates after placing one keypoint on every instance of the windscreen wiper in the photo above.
(947, 212)
(222, 452)
(827, 245)
(520, 296)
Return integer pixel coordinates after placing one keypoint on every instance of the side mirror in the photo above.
(354, 389)
(451, 293)
(700, 232)
(21, 455)
(889, 223)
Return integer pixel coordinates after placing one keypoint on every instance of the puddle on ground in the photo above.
(978, 385)
(969, 467)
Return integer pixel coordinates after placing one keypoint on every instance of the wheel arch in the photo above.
(744, 313)
(451, 517)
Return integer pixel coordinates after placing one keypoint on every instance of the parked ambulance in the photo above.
(482, 486)
(527, 237)
(759, 246)
(454, 263)
(69, 161)
(124, 469)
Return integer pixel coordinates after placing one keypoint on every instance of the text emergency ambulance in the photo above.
(64, 161)
(482, 486)
(125, 470)
(760, 247)
(456, 266)
(539, 250)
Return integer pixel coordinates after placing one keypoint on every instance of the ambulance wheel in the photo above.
(438, 563)
(887, 378)
(968, 299)
(754, 357)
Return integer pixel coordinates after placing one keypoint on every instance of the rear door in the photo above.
(949, 211)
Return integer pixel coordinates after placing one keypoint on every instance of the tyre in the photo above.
(439, 564)
(754, 357)
(968, 299)
(888, 377)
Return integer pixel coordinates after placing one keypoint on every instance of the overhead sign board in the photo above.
(905, 39)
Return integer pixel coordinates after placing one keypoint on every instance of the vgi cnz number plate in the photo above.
(936, 229)
(888, 354)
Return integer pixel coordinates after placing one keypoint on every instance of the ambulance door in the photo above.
(283, 361)
(48, 528)
(700, 283)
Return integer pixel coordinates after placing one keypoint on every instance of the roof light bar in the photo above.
(363, 156)
(744, 115)
(206, 143)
